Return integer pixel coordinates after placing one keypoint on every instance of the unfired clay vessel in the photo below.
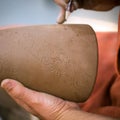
(57, 59)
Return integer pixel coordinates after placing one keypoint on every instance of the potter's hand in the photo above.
(46, 106)
(63, 6)
(98, 5)
(39, 104)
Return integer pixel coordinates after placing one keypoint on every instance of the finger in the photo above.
(63, 5)
(61, 16)
(37, 103)
(18, 92)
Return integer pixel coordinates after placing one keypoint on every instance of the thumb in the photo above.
(39, 104)
(19, 93)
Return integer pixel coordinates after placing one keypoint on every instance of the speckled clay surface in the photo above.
(57, 59)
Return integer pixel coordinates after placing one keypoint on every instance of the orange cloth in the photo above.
(105, 98)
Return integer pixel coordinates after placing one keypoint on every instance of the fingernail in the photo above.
(7, 84)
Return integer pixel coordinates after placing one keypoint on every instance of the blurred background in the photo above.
(31, 12)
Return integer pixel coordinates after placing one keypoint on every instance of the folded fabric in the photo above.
(105, 98)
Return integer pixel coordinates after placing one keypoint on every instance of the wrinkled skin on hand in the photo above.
(42, 105)
(98, 5)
